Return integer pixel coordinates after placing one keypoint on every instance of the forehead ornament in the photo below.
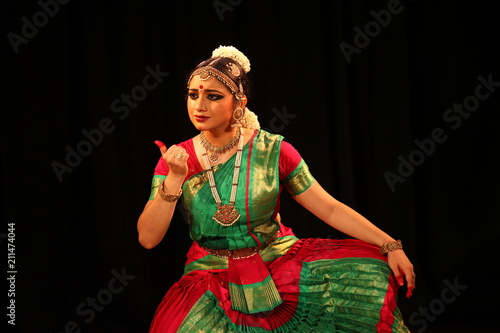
(204, 73)
(207, 71)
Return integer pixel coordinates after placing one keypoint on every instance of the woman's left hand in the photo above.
(403, 269)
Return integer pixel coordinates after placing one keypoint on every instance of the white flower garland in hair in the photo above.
(250, 120)
(233, 53)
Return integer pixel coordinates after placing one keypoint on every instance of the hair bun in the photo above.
(233, 53)
(250, 120)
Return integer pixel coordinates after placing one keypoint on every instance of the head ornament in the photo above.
(249, 119)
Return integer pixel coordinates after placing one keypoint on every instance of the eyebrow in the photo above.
(209, 90)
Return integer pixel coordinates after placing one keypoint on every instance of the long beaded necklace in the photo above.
(217, 151)
(226, 215)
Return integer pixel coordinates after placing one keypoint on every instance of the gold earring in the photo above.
(237, 116)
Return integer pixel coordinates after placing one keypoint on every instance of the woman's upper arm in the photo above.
(300, 183)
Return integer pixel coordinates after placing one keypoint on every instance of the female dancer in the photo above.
(246, 271)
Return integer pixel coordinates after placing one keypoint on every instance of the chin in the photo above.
(200, 127)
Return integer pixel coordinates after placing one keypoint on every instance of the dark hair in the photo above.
(220, 63)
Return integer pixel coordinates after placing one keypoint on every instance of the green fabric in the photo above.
(262, 154)
(336, 295)
(299, 180)
(198, 319)
(354, 296)
(256, 297)
(277, 249)
(155, 185)
(261, 181)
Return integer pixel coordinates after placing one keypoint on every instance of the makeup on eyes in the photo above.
(212, 94)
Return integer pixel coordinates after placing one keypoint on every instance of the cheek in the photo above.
(189, 104)
(229, 107)
(226, 110)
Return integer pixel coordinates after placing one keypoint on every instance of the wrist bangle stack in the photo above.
(169, 197)
(391, 246)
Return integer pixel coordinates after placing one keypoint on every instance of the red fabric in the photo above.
(284, 277)
(186, 292)
(390, 304)
(246, 271)
(285, 272)
(289, 159)
(314, 249)
(194, 165)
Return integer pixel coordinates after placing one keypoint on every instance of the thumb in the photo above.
(162, 147)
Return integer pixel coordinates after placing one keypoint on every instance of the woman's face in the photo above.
(210, 104)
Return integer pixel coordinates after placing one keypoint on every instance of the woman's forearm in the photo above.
(350, 222)
(155, 219)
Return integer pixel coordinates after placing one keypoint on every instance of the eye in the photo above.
(215, 97)
(193, 95)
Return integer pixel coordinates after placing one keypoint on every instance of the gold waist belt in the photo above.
(241, 253)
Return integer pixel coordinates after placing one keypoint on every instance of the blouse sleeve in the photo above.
(294, 172)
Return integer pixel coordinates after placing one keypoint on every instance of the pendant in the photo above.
(214, 158)
(226, 215)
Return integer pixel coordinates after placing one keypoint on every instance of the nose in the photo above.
(199, 105)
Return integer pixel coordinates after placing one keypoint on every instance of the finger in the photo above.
(400, 279)
(409, 291)
(410, 280)
(181, 154)
(161, 145)
(170, 151)
(397, 273)
(176, 154)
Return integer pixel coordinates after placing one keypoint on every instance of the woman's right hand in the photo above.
(176, 158)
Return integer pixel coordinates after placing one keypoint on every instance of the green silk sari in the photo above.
(257, 198)
(291, 285)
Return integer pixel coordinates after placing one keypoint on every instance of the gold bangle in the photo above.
(391, 246)
(169, 197)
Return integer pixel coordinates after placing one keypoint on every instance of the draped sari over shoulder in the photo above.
(256, 276)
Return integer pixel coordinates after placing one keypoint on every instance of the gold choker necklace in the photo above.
(226, 215)
(217, 151)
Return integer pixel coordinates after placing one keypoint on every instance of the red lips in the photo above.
(201, 118)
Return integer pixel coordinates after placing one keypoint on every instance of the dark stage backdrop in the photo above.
(393, 104)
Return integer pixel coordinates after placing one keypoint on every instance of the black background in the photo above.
(352, 121)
